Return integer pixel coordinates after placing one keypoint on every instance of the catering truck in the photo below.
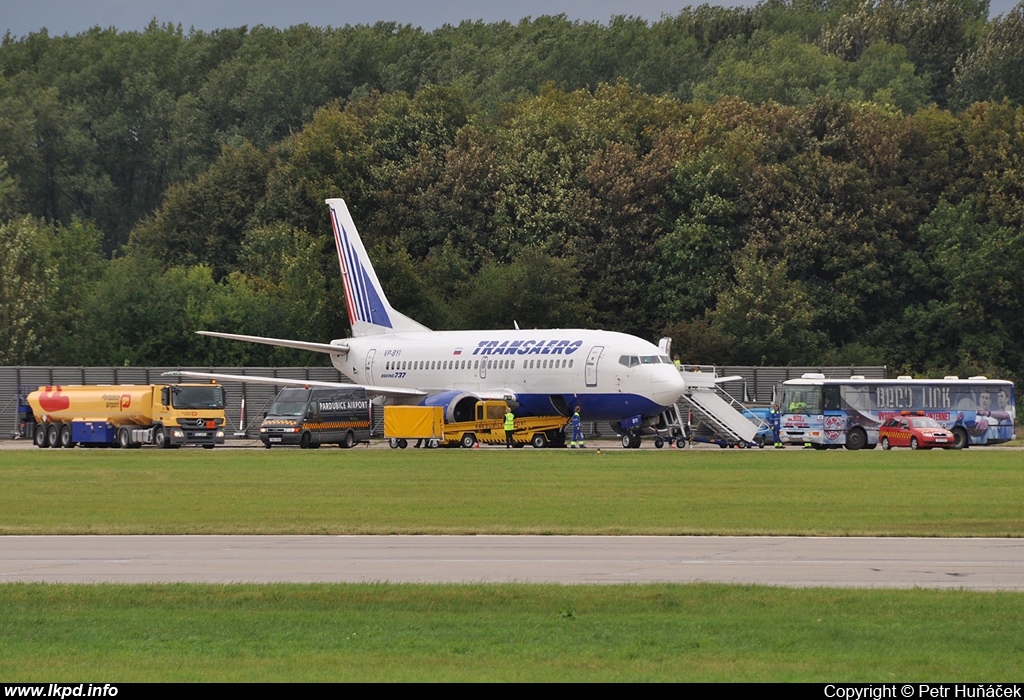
(126, 415)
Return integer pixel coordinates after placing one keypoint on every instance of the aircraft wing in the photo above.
(392, 392)
(328, 348)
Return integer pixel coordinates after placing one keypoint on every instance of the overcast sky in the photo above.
(73, 16)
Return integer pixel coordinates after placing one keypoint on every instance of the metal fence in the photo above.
(756, 386)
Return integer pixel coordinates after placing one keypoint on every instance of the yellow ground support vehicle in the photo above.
(402, 423)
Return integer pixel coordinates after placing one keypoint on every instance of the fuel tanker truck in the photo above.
(126, 416)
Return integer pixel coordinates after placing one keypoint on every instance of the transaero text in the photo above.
(527, 347)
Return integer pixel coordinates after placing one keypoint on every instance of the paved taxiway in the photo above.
(973, 563)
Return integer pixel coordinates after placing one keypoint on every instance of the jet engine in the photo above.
(458, 406)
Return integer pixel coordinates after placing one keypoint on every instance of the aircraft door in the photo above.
(483, 367)
(369, 364)
(591, 366)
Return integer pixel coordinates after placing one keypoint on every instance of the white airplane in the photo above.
(610, 376)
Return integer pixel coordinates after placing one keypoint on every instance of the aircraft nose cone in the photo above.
(667, 385)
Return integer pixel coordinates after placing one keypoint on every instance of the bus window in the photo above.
(830, 398)
(801, 399)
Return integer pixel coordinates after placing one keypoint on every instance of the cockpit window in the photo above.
(636, 360)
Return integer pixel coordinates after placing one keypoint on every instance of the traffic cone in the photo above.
(476, 445)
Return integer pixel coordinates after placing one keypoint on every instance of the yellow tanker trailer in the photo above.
(127, 415)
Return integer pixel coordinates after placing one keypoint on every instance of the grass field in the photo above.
(112, 633)
(505, 633)
(974, 492)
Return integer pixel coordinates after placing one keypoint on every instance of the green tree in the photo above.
(23, 290)
(772, 319)
(204, 221)
(995, 69)
(968, 313)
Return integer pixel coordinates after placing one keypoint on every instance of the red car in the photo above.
(915, 432)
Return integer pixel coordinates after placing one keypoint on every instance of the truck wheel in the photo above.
(39, 436)
(160, 439)
(393, 443)
(349, 442)
(304, 441)
(403, 443)
(960, 440)
(65, 436)
(53, 435)
(468, 440)
(539, 441)
(659, 443)
(267, 444)
(208, 447)
(124, 439)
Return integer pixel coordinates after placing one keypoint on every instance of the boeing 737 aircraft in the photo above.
(611, 376)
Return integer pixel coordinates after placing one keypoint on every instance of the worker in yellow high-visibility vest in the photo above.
(510, 426)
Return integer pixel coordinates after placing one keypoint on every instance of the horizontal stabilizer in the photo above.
(279, 381)
(281, 342)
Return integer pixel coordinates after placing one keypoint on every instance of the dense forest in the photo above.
(802, 182)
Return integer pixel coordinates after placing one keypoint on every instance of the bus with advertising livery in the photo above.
(828, 413)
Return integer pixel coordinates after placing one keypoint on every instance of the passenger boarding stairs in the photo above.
(713, 411)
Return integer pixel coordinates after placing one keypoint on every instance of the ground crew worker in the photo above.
(774, 419)
(577, 430)
(510, 426)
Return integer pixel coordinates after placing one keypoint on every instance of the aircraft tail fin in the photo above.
(368, 309)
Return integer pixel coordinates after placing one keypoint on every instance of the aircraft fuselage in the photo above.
(542, 371)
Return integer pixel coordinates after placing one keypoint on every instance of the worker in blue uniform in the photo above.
(577, 430)
(775, 420)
